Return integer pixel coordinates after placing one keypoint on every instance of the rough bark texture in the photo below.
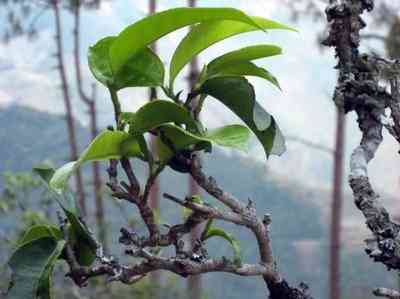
(194, 261)
(358, 89)
(67, 102)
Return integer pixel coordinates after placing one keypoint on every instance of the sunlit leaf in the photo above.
(233, 136)
(143, 69)
(244, 68)
(142, 33)
(206, 34)
(243, 55)
(107, 145)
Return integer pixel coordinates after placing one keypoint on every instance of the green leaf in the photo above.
(234, 136)
(246, 68)
(84, 244)
(206, 34)
(45, 172)
(40, 231)
(238, 95)
(237, 63)
(242, 55)
(29, 264)
(142, 33)
(107, 145)
(217, 232)
(45, 283)
(158, 112)
(143, 69)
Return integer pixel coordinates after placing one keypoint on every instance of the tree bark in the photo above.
(90, 102)
(336, 210)
(67, 102)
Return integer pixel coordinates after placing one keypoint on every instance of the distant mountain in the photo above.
(299, 229)
(28, 137)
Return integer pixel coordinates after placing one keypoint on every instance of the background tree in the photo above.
(194, 288)
(22, 20)
(90, 102)
(55, 6)
(154, 196)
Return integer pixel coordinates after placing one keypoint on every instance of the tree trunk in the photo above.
(97, 184)
(90, 102)
(337, 201)
(67, 102)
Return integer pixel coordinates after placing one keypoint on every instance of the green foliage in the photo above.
(238, 95)
(107, 145)
(16, 187)
(40, 231)
(174, 139)
(144, 32)
(206, 34)
(245, 68)
(158, 112)
(238, 63)
(223, 78)
(211, 231)
(244, 54)
(82, 240)
(125, 61)
(32, 264)
(143, 69)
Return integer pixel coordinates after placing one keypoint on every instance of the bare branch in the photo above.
(133, 181)
(212, 213)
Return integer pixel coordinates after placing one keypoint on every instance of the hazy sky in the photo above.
(305, 73)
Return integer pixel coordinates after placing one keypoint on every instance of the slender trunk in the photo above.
(337, 201)
(97, 184)
(154, 199)
(91, 104)
(194, 288)
(67, 102)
